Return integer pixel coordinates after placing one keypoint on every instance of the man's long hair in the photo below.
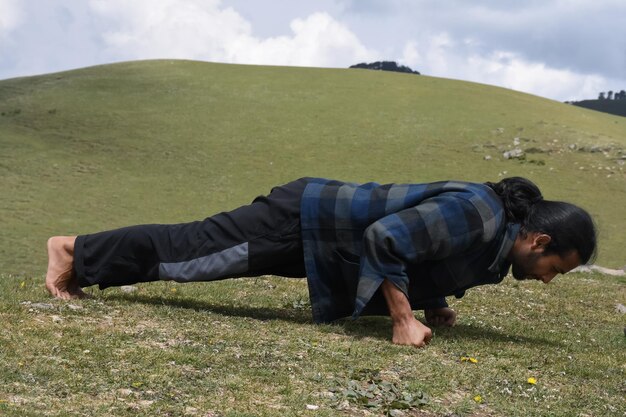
(569, 226)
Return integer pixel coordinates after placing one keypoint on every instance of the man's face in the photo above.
(529, 261)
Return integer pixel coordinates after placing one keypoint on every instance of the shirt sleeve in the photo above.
(435, 229)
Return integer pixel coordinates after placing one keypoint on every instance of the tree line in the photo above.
(610, 95)
(385, 66)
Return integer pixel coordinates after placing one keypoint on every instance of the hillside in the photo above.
(171, 141)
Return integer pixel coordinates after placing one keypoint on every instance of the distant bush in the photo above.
(385, 66)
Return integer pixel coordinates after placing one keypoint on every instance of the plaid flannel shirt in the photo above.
(431, 240)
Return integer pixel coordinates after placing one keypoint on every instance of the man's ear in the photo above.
(540, 241)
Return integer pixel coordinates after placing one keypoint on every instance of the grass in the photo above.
(248, 347)
(172, 141)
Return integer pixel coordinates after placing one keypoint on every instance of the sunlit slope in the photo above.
(171, 141)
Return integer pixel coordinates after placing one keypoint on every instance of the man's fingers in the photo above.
(428, 335)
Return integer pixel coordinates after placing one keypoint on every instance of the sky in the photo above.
(559, 49)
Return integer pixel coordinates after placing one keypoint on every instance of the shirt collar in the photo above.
(500, 264)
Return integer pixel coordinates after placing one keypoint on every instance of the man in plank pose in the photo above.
(364, 248)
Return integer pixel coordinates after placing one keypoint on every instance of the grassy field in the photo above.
(171, 141)
(248, 348)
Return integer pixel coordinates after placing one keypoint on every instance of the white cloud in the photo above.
(511, 71)
(445, 57)
(317, 40)
(199, 29)
(411, 55)
(10, 15)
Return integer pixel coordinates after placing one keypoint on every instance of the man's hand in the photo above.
(443, 316)
(411, 332)
(406, 329)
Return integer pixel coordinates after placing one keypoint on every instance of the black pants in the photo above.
(257, 239)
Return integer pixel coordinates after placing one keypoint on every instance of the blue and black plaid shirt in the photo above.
(431, 240)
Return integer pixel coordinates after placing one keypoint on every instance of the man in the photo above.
(365, 249)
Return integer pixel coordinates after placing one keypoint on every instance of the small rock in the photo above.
(515, 141)
(344, 405)
(128, 288)
(609, 271)
(39, 306)
(595, 149)
(125, 392)
(312, 407)
(74, 307)
(621, 308)
(515, 153)
(57, 319)
(600, 269)
(487, 157)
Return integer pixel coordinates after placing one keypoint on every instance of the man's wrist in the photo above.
(403, 318)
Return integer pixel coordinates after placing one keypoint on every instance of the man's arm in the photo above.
(406, 329)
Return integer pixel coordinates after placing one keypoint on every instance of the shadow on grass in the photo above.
(380, 327)
(258, 313)
(376, 327)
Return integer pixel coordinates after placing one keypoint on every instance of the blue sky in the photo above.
(560, 49)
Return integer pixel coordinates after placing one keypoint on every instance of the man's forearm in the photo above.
(397, 302)
(406, 329)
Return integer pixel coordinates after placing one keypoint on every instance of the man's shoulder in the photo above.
(487, 205)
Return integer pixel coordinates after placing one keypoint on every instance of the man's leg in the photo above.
(61, 280)
(214, 248)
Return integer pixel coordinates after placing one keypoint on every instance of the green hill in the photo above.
(171, 141)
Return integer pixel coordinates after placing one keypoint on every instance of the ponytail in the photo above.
(569, 226)
(518, 195)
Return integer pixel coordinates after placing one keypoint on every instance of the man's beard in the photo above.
(520, 273)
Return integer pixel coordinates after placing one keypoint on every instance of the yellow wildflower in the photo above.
(173, 290)
(478, 399)
(468, 359)
(531, 380)
(22, 284)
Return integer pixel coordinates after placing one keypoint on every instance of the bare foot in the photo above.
(60, 279)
